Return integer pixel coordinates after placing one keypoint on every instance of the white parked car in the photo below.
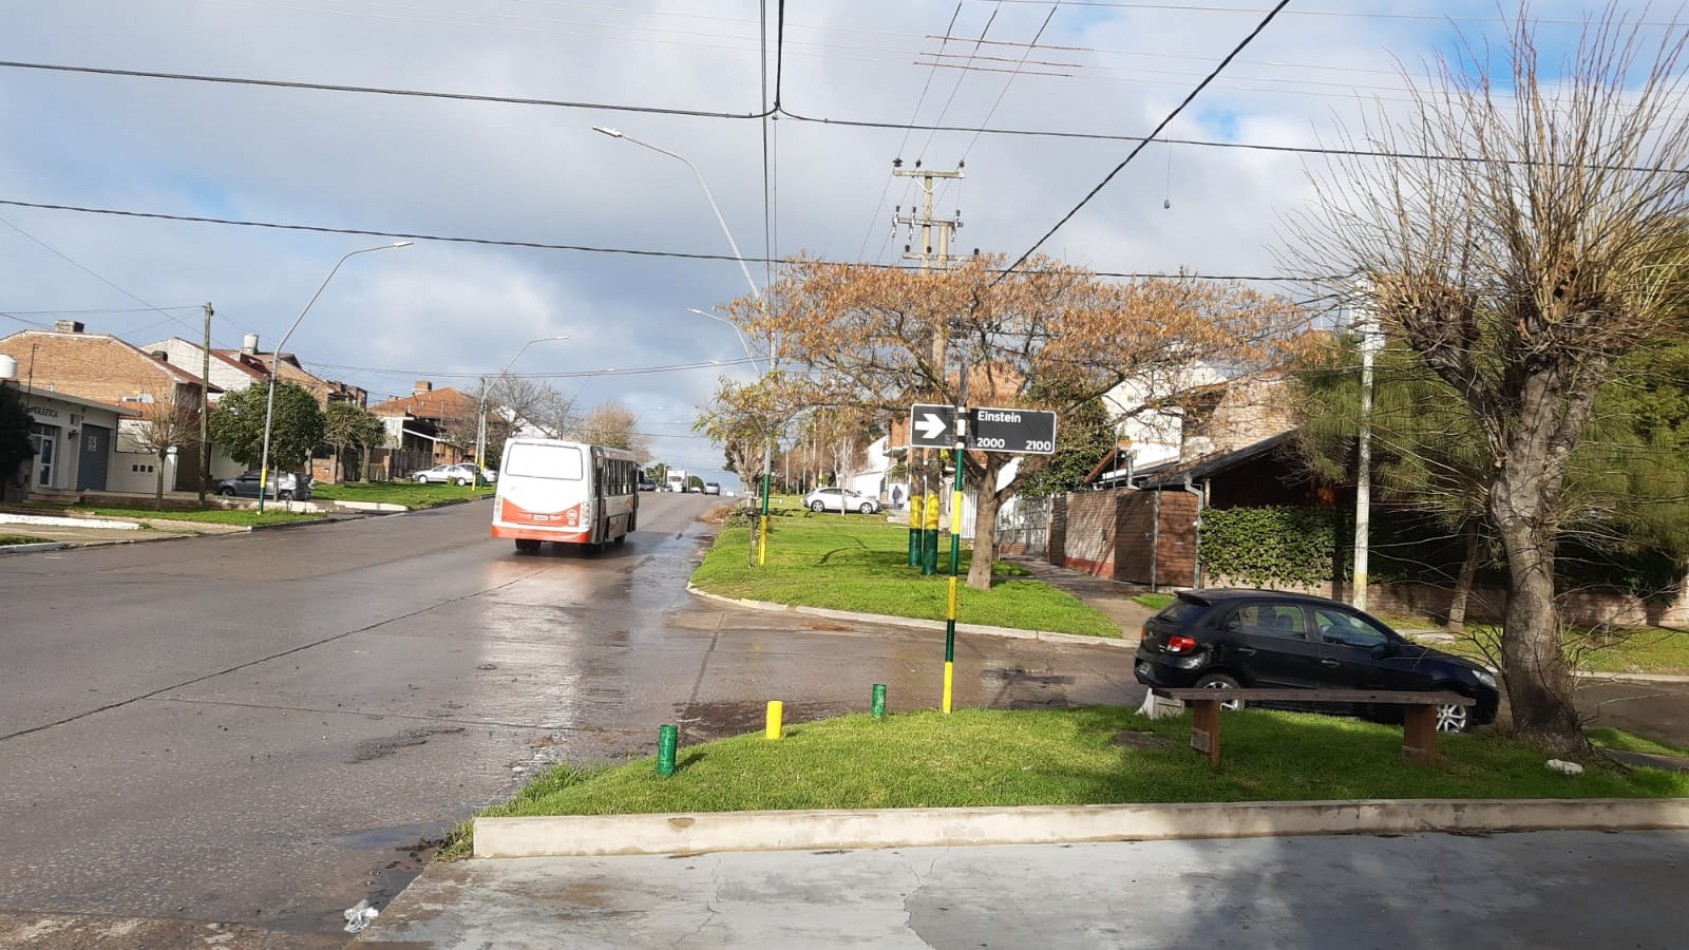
(457, 473)
(840, 500)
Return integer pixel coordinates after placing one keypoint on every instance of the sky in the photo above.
(528, 224)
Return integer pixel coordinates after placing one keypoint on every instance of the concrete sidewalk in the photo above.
(1112, 597)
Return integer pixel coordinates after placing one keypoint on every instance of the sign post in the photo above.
(1010, 431)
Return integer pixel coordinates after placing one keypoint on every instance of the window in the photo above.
(1271, 620)
(1348, 629)
(533, 460)
(1177, 611)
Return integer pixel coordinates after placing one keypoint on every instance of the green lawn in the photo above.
(21, 539)
(1645, 650)
(861, 563)
(409, 494)
(1153, 601)
(980, 757)
(232, 516)
(1609, 738)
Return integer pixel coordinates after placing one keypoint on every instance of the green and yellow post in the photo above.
(956, 501)
(914, 527)
(929, 537)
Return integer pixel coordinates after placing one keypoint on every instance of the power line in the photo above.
(589, 249)
(382, 91)
(1153, 132)
(573, 374)
(959, 80)
(1360, 14)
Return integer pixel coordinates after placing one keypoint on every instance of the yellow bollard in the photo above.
(776, 709)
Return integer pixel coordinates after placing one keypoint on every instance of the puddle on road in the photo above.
(706, 722)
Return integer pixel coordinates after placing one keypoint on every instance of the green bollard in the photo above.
(929, 552)
(879, 704)
(667, 738)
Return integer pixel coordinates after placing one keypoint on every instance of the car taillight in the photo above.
(1180, 644)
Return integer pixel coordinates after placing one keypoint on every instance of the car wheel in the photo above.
(1221, 681)
(285, 495)
(1454, 718)
(817, 506)
(226, 492)
(526, 545)
(866, 509)
(461, 482)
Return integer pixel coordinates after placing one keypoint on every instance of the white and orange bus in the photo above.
(565, 493)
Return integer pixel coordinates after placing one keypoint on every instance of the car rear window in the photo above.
(1177, 611)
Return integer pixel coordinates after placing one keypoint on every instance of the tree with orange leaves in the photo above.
(1048, 336)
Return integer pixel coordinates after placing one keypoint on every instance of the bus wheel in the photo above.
(621, 539)
(527, 545)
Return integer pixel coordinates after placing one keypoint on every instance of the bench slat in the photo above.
(1396, 697)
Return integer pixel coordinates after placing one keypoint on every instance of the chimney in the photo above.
(68, 326)
(163, 356)
(249, 344)
(422, 386)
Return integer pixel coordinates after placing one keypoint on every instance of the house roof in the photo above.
(1207, 466)
(175, 372)
(435, 404)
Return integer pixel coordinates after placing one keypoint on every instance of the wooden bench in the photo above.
(1419, 713)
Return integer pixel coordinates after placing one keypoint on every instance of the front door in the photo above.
(96, 458)
(46, 456)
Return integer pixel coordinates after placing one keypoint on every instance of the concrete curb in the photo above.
(32, 547)
(581, 836)
(67, 521)
(1633, 677)
(304, 522)
(1046, 636)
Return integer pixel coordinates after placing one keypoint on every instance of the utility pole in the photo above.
(1363, 477)
(205, 408)
(930, 257)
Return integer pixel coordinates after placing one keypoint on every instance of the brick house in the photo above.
(427, 428)
(233, 370)
(104, 369)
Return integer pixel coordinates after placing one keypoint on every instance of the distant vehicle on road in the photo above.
(1225, 639)
(840, 500)
(711, 488)
(677, 481)
(646, 484)
(287, 486)
(565, 493)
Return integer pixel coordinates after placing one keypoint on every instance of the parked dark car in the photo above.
(1224, 639)
(286, 485)
(646, 484)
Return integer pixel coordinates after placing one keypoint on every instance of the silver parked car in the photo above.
(457, 473)
(840, 500)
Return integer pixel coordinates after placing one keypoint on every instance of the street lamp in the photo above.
(756, 294)
(481, 406)
(275, 359)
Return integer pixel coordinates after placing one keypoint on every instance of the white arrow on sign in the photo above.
(931, 425)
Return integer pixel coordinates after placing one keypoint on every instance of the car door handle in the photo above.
(1244, 651)
(1330, 662)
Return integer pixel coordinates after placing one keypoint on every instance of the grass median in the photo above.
(408, 494)
(860, 563)
(148, 516)
(1081, 756)
(10, 539)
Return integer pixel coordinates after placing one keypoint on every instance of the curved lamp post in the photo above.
(270, 400)
(481, 408)
(756, 294)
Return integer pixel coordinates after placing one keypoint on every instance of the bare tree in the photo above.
(166, 427)
(1521, 234)
(612, 424)
(528, 404)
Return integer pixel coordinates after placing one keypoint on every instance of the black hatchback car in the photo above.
(1224, 639)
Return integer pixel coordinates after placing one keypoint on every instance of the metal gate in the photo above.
(1023, 525)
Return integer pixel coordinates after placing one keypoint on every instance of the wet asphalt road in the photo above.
(259, 730)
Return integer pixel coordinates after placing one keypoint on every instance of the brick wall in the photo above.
(1088, 544)
(1170, 561)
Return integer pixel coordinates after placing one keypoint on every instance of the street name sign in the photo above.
(1019, 431)
(1016, 431)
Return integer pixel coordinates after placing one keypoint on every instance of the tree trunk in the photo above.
(158, 492)
(1539, 678)
(1468, 572)
(985, 523)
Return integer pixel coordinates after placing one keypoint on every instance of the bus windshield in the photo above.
(534, 460)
